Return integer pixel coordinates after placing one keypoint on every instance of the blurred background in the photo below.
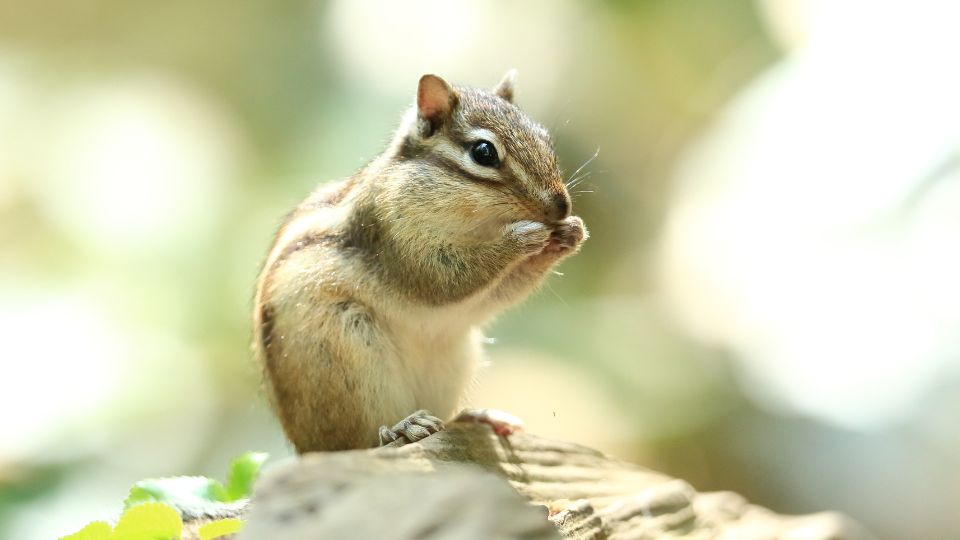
(768, 303)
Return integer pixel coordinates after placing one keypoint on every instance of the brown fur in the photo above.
(371, 299)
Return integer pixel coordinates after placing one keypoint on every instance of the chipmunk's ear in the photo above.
(435, 101)
(504, 88)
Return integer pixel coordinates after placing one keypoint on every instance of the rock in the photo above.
(456, 485)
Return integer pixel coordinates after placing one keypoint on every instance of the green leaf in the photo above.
(221, 527)
(179, 492)
(148, 521)
(244, 471)
(98, 530)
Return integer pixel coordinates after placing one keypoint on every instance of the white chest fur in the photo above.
(438, 351)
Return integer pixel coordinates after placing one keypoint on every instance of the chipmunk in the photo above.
(370, 305)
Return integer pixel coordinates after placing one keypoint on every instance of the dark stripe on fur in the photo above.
(454, 167)
(308, 240)
(266, 329)
(271, 347)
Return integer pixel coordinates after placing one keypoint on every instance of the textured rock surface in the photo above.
(425, 490)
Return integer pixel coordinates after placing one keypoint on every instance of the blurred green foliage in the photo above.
(151, 508)
(267, 90)
(148, 150)
(196, 491)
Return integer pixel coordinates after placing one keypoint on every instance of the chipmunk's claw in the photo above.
(416, 427)
(567, 235)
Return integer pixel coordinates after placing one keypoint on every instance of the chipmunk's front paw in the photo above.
(416, 427)
(531, 236)
(566, 236)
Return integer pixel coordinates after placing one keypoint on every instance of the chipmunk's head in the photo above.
(478, 158)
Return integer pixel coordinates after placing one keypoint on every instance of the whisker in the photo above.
(549, 288)
(585, 163)
(576, 181)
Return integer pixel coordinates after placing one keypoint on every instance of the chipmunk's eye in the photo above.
(485, 153)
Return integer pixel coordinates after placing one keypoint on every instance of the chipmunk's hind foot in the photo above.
(416, 427)
(503, 423)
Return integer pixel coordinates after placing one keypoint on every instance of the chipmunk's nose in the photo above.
(561, 207)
